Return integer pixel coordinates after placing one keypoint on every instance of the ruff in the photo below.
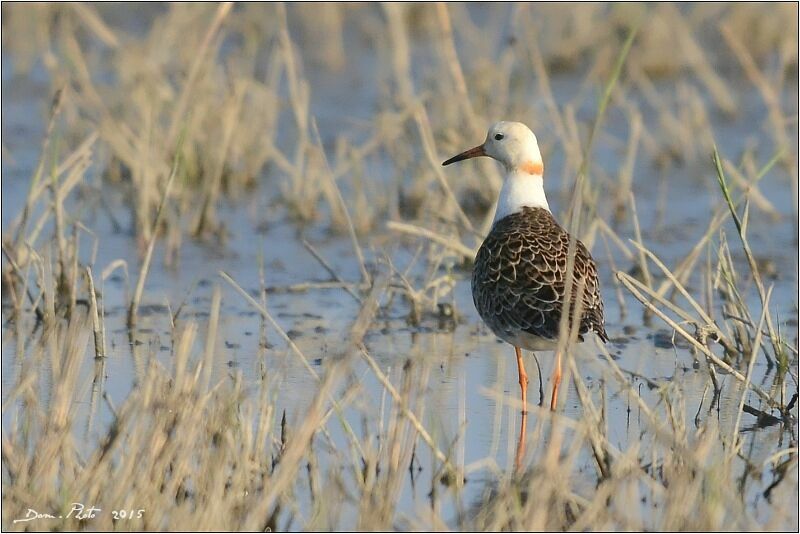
(519, 278)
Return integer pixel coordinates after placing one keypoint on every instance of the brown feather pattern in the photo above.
(519, 277)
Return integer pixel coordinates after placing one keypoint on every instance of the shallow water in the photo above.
(466, 375)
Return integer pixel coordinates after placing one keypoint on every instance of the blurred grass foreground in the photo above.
(168, 120)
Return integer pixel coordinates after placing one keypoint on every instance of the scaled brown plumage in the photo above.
(519, 277)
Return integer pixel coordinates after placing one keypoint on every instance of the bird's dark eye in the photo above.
(498, 137)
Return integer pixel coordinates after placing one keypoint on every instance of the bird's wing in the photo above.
(520, 271)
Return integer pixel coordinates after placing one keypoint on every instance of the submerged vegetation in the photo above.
(166, 120)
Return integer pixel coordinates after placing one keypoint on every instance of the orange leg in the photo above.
(523, 380)
(521, 442)
(556, 382)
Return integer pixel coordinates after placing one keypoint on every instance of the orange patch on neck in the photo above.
(532, 167)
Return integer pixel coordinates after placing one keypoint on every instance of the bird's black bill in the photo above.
(467, 154)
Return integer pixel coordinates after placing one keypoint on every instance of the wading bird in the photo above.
(520, 272)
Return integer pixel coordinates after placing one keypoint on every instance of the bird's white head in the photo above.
(514, 145)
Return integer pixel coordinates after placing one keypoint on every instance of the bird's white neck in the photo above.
(520, 189)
